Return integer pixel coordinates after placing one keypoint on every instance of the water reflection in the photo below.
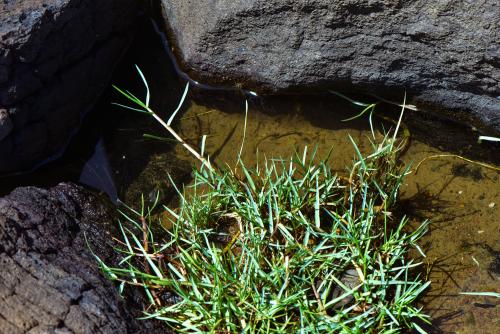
(97, 173)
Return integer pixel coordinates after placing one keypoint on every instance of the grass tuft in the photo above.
(289, 246)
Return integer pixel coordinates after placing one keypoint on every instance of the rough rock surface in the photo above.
(444, 53)
(56, 57)
(49, 280)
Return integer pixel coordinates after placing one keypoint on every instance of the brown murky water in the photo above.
(461, 199)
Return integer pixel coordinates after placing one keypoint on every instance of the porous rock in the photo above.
(50, 281)
(444, 54)
(56, 58)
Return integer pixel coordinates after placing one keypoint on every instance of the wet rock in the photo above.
(49, 280)
(56, 57)
(445, 54)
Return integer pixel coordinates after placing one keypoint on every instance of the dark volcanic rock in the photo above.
(445, 54)
(56, 57)
(49, 280)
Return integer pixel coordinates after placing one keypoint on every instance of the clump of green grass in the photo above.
(287, 246)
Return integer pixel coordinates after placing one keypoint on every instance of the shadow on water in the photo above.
(462, 200)
(109, 151)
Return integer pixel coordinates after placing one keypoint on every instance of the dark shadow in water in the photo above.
(434, 327)
(97, 172)
(69, 166)
(109, 151)
(419, 207)
(424, 205)
(226, 140)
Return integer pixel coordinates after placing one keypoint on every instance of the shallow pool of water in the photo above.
(461, 199)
